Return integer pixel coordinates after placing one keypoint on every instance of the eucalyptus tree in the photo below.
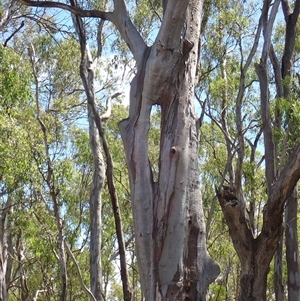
(168, 217)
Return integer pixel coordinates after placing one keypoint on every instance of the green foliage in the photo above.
(146, 16)
(15, 78)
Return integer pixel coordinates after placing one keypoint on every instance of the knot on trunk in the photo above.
(173, 150)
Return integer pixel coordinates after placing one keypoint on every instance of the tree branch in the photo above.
(128, 31)
(8, 39)
(75, 10)
(119, 18)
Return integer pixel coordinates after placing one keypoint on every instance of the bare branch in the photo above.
(8, 39)
(94, 13)
(268, 27)
(286, 8)
(288, 178)
(277, 72)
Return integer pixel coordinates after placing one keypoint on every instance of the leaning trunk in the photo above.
(168, 216)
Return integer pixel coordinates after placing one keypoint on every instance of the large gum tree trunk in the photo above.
(168, 215)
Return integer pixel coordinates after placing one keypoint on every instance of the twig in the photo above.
(19, 28)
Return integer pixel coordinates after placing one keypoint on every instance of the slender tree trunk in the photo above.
(87, 73)
(60, 240)
(96, 209)
(114, 199)
(168, 215)
(292, 250)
